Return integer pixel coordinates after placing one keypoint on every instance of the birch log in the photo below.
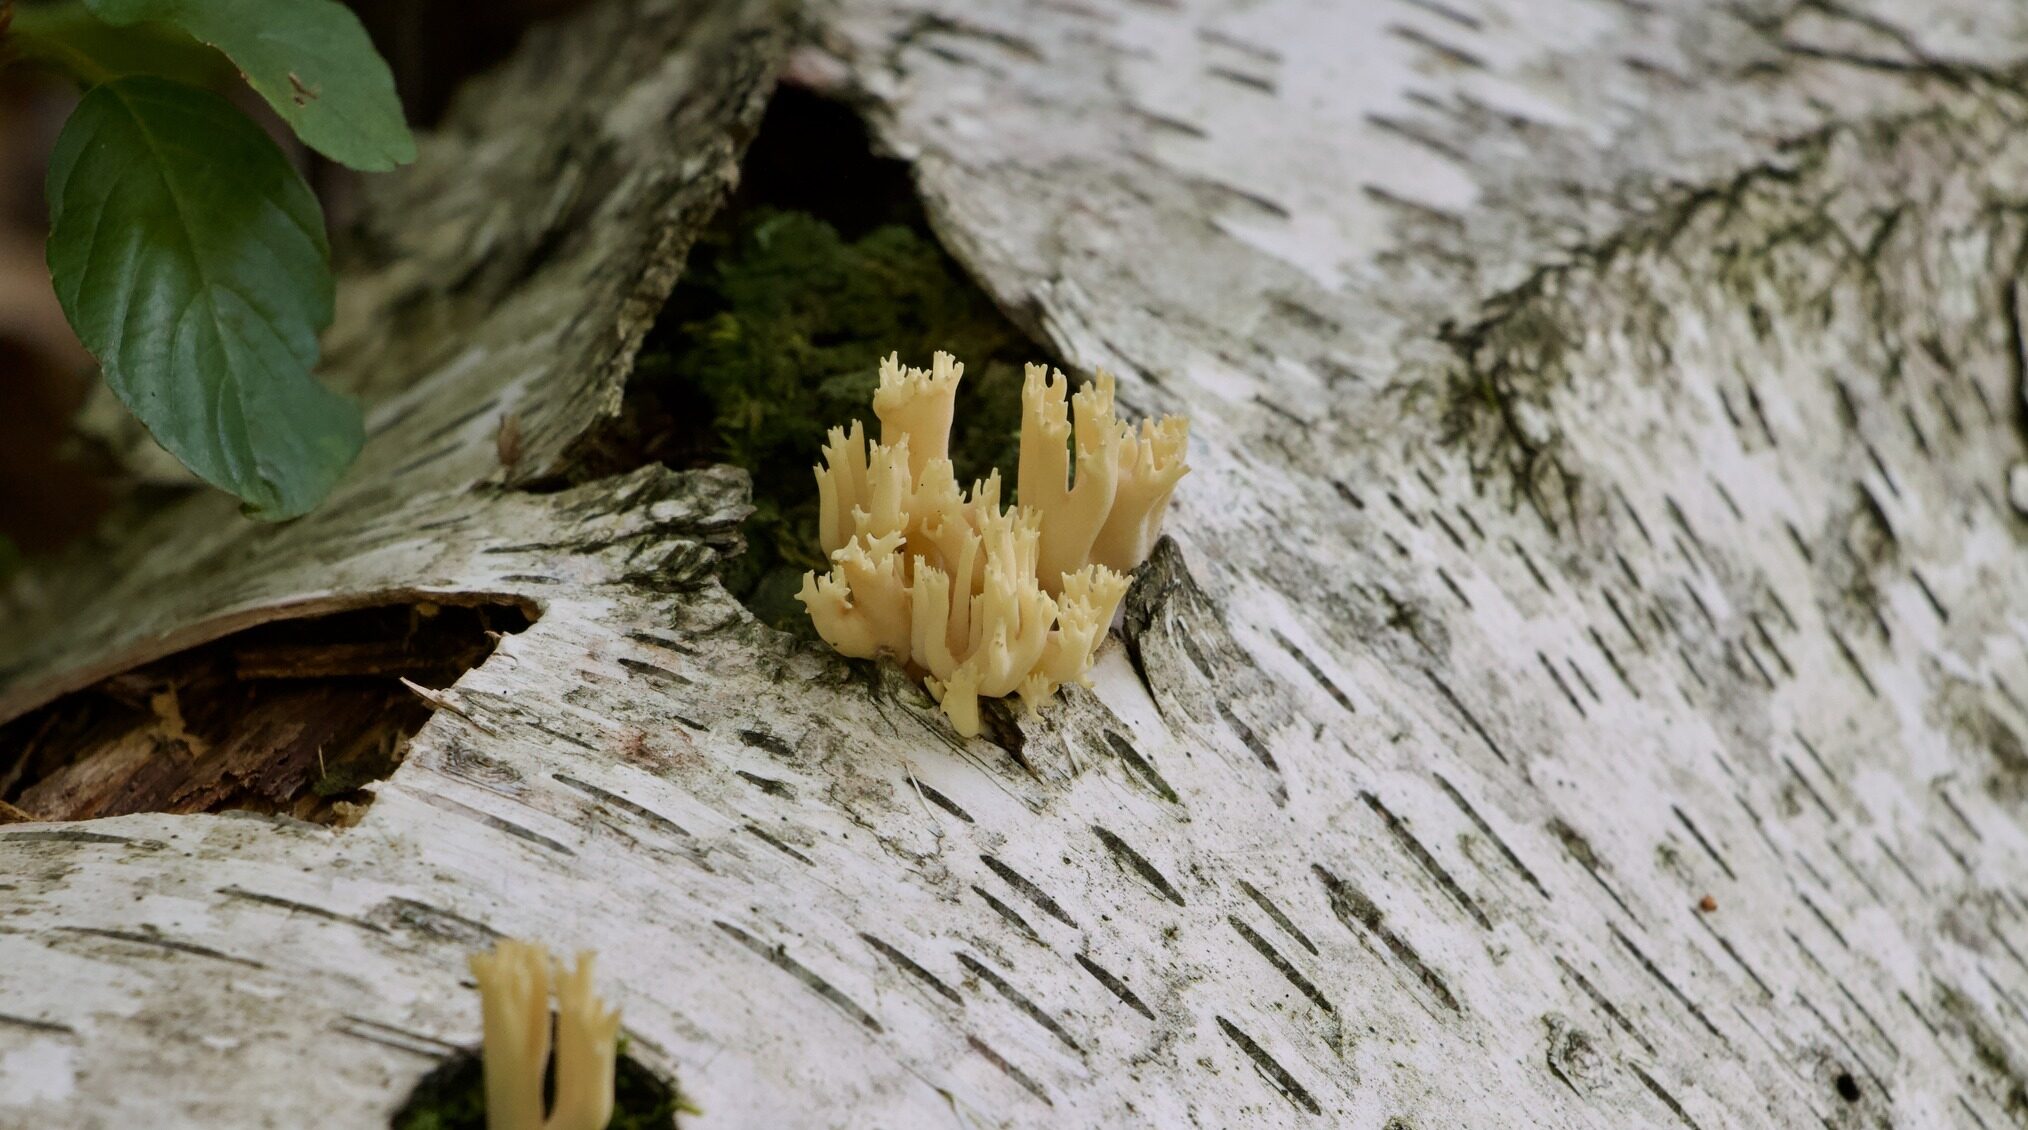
(1582, 688)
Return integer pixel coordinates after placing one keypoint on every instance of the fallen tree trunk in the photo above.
(1582, 687)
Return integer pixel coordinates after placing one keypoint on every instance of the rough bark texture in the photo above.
(1580, 690)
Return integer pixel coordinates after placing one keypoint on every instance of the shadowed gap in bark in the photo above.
(821, 264)
(295, 717)
(453, 1097)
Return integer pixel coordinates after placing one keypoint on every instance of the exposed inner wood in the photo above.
(294, 717)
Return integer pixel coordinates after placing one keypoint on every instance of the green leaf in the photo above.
(68, 37)
(310, 59)
(191, 260)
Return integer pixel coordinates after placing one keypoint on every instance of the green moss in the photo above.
(453, 1097)
(775, 336)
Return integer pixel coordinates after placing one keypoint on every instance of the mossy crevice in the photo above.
(453, 1097)
(822, 264)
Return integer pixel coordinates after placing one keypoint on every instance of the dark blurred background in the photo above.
(53, 488)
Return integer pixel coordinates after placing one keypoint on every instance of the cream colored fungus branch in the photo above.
(978, 599)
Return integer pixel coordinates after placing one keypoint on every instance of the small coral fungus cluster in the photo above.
(514, 1003)
(976, 598)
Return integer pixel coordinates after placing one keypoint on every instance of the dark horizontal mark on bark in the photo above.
(1929, 595)
(1357, 911)
(1604, 1005)
(1964, 821)
(1253, 82)
(1580, 851)
(1444, 576)
(532, 578)
(1281, 964)
(496, 823)
(1141, 766)
(1471, 720)
(1976, 1120)
(614, 799)
(1415, 135)
(1852, 869)
(1456, 55)
(1139, 865)
(440, 925)
(655, 672)
(1842, 1041)
(1012, 1072)
(1265, 54)
(34, 1025)
(559, 735)
(1462, 19)
(1810, 789)
(1114, 985)
(425, 459)
(2007, 945)
(1612, 660)
(1927, 1023)
(1667, 1099)
(1726, 945)
(1951, 850)
(1268, 907)
(1029, 890)
(1874, 1025)
(1401, 508)
(1426, 861)
(1684, 819)
(157, 942)
(909, 966)
(778, 845)
(301, 907)
(1248, 738)
(461, 419)
(768, 743)
(1858, 668)
(1276, 1075)
(1323, 680)
(1486, 830)
(941, 801)
(1717, 487)
(1895, 858)
(803, 973)
(1766, 678)
(1836, 934)
(1012, 916)
(654, 640)
(389, 1036)
(77, 836)
(1173, 124)
(1767, 639)
(1014, 997)
(767, 785)
(1656, 973)
(1293, 420)
(1696, 599)
(1557, 678)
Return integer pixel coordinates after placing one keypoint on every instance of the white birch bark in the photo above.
(1603, 415)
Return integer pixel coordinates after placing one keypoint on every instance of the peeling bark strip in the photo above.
(1601, 505)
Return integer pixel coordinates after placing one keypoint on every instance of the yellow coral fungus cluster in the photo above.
(983, 600)
(514, 1003)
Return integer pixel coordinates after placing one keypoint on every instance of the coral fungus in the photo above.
(979, 599)
(514, 999)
